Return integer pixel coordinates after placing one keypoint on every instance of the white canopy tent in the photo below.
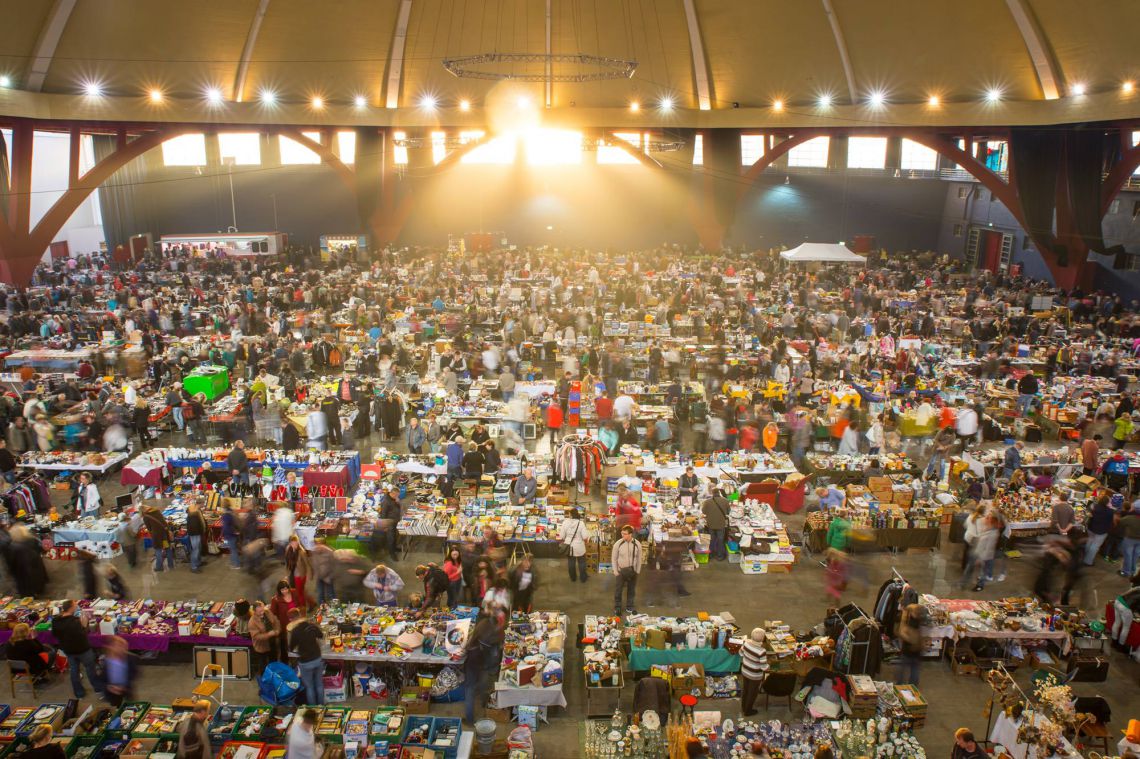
(821, 252)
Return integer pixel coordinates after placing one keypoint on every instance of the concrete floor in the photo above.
(797, 598)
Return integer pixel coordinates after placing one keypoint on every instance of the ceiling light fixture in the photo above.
(1078, 89)
(360, 101)
(93, 89)
(465, 105)
(214, 96)
(155, 95)
(1127, 87)
(268, 97)
(634, 107)
(428, 102)
(993, 95)
(878, 99)
(777, 105)
(317, 102)
(666, 103)
(523, 101)
(934, 101)
(825, 100)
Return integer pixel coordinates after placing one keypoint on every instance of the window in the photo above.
(751, 148)
(553, 147)
(957, 230)
(812, 153)
(1131, 262)
(963, 192)
(438, 147)
(917, 157)
(996, 155)
(293, 152)
(500, 150)
(866, 152)
(185, 150)
(472, 134)
(399, 152)
(1025, 242)
(608, 154)
(699, 150)
(346, 146)
(243, 147)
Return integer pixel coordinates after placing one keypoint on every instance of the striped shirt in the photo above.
(754, 660)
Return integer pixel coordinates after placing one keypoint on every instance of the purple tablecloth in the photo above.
(138, 642)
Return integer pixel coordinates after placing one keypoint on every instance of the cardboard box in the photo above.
(415, 700)
(682, 681)
(139, 748)
(883, 496)
(903, 497)
(879, 483)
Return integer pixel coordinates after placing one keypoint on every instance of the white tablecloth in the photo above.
(513, 695)
(1005, 732)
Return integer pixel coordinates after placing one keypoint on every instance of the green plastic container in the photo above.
(211, 381)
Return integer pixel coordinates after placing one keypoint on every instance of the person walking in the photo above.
(322, 564)
(572, 534)
(280, 606)
(483, 655)
(298, 568)
(302, 741)
(1099, 525)
(193, 739)
(305, 638)
(160, 536)
(264, 630)
(453, 568)
(625, 559)
(753, 670)
(911, 645)
(121, 667)
(523, 582)
(716, 508)
(390, 513)
(196, 531)
(69, 628)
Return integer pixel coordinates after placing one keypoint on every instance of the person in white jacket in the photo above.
(573, 535)
(317, 430)
(986, 532)
(281, 529)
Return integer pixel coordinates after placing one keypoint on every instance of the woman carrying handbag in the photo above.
(573, 537)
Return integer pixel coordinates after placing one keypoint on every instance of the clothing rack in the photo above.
(865, 648)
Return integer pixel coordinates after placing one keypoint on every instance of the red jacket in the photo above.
(554, 416)
(604, 407)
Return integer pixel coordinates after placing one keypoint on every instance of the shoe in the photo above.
(1122, 573)
(631, 610)
(979, 588)
(196, 571)
(1000, 578)
(989, 578)
(683, 593)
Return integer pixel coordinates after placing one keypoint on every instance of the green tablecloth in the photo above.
(352, 544)
(212, 381)
(712, 659)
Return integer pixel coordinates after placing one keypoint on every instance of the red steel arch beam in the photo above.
(776, 153)
(1001, 189)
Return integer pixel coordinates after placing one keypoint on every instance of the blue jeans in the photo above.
(1024, 402)
(179, 421)
(195, 551)
(87, 661)
(716, 545)
(158, 555)
(1092, 546)
(235, 555)
(1130, 550)
(312, 677)
(325, 591)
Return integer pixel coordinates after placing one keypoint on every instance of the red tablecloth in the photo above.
(151, 478)
(337, 475)
(159, 643)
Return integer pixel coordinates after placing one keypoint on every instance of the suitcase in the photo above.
(1088, 669)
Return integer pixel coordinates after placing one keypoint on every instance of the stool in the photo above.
(688, 701)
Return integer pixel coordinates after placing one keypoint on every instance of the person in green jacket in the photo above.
(838, 534)
(1122, 429)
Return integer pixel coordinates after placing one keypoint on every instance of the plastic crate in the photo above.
(413, 725)
(441, 724)
(84, 745)
(379, 730)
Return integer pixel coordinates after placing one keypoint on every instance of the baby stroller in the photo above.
(279, 684)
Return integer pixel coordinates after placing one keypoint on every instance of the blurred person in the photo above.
(523, 582)
(121, 667)
(715, 509)
(1099, 525)
(912, 644)
(322, 562)
(625, 560)
(572, 534)
(1055, 560)
(197, 532)
(298, 569)
(302, 740)
(483, 656)
(193, 737)
(69, 628)
(385, 585)
(264, 629)
(305, 638)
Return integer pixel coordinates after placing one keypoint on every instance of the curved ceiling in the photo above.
(756, 51)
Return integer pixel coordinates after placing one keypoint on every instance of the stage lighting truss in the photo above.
(451, 143)
(539, 67)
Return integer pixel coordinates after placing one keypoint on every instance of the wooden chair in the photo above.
(1095, 732)
(18, 672)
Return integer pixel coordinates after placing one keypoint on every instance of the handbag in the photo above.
(567, 548)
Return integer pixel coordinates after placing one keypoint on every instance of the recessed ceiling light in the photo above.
(666, 103)
(428, 102)
(465, 105)
(777, 105)
(523, 101)
(635, 106)
(317, 102)
(1078, 88)
(214, 96)
(1127, 87)
(877, 99)
(993, 95)
(268, 97)
(360, 101)
(93, 89)
(934, 101)
(825, 100)
(5, 80)
(155, 95)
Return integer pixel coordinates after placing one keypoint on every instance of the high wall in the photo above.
(968, 204)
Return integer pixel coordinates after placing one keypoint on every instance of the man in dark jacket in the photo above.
(239, 461)
(70, 630)
(716, 511)
(305, 638)
(390, 513)
(160, 536)
(435, 584)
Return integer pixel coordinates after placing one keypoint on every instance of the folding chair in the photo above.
(212, 681)
(18, 672)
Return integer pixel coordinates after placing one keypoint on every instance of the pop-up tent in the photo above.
(821, 252)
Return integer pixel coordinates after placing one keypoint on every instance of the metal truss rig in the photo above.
(453, 143)
(468, 67)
